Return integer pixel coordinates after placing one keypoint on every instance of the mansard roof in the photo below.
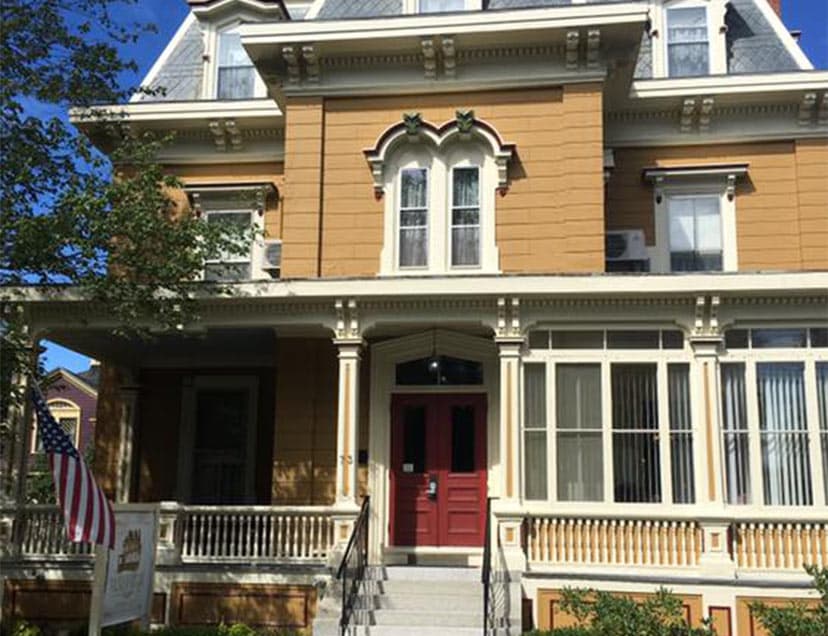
(754, 44)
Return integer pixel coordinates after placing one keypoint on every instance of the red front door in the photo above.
(438, 470)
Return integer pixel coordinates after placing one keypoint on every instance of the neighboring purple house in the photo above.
(73, 401)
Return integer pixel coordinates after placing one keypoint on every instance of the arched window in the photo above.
(439, 186)
(67, 414)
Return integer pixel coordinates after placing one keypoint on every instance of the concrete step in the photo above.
(427, 618)
(400, 630)
(431, 602)
(424, 573)
(421, 588)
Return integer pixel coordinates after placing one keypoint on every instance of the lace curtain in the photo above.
(414, 218)
(236, 75)
(465, 217)
(687, 45)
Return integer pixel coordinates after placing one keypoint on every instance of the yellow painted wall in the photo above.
(781, 208)
(551, 220)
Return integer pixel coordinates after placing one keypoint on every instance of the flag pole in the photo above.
(98, 588)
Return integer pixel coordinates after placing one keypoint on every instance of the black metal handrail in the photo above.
(486, 574)
(352, 568)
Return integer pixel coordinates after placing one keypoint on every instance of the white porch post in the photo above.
(349, 344)
(507, 511)
(706, 342)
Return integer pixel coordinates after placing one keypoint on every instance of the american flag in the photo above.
(88, 513)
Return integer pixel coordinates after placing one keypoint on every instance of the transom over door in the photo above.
(438, 470)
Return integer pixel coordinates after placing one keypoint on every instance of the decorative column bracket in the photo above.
(508, 318)
(583, 52)
(696, 114)
(439, 54)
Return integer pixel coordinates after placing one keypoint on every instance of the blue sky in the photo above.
(808, 16)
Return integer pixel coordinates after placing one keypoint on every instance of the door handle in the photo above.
(432, 487)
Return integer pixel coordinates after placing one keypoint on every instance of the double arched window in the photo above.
(439, 186)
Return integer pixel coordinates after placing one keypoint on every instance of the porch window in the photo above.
(687, 42)
(623, 416)
(579, 431)
(465, 217)
(535, 431)
(236, 73)
(413, 217)
(768, 378)
(695, 234)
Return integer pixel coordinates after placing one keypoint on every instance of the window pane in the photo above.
(437, 6)
(695, 233)
(465, 193)
(632, 340)
(682, 228)
(539, 339)
(577, 339)
(441, 370)
(786, 467)
(414, 439)
(69, 426)
(687, 42)
(822, 405)
(413, 247)
(736, 338)
(636, 456)
(819, 338)
(236, 82)
(578, 420)
(462, 439)
(778, 338)
(681, 433)
(535, 433)
(231, 51)
(672, 339)
(413, 188)
(414, 217)
(465, 246)
(734, 420)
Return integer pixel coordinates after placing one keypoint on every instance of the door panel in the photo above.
(438, 438)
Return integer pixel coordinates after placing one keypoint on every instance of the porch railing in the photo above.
(780, 545)
(601, 541)
(208, 533)
(188, 534)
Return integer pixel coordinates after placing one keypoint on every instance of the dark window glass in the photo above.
(777, 338)
(577, 339)
(736, 339)
(819, 337)
(672, 339)
(462, 439)
(538, 339)
(414, 439)
(439, 370)
(632, 340)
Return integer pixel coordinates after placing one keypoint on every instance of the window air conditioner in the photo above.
(273, 258)
(626, 245)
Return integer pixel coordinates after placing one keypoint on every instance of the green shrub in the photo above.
(796, 618)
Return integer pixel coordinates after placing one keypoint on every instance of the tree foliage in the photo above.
(798, 618)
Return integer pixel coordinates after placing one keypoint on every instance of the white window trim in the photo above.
(809, 356)
(209, 83)
(605, 358)
(439, 202)
(60, 408)
(717, 53)
(682, 182)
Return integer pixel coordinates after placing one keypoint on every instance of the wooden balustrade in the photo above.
(611, 542)
(251, 534)
(780, 545)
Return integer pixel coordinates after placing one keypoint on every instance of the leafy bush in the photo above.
(796, 618)
(605, 614)
(24, 628)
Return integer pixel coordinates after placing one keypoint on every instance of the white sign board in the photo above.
(131, 567)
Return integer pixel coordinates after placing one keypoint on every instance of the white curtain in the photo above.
(437, 6)
(687, 42)
(681, 433)
(735, 434)
(236, 76)
(578, 421)
(636, 456)
(822, 401)
(534, 422)
(695, 233)
(465, 217)
(414, 217)
(786, 468)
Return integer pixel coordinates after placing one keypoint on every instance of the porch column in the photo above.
(715, 526)
(129, 406)
(347, 423)
(17, 439)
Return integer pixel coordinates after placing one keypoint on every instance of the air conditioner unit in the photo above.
(626, 245)
(273, 258)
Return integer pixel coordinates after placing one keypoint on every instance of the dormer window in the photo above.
(236, 73)
(688, 44)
